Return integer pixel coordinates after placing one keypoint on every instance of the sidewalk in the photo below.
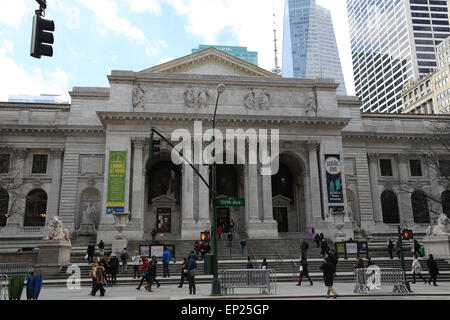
(285, 290)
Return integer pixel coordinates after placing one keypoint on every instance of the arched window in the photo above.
(389, 207)
(164, 179)
(4, 201)
(36, 209)
(420, 207)
(445, 200)
(282, 182)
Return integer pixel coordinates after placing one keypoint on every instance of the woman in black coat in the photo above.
(328, 272)
(304, 272)
(433, 270)
(113, 268)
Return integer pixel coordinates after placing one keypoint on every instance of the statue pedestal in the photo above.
(86, 230)
(118, 245)
(438, 246)
(53, 255)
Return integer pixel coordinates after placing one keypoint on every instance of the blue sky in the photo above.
(93, 37)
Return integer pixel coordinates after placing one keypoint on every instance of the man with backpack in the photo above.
(124, 257)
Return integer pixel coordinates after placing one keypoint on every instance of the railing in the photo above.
(374, 278)
(263, 279)
(16, 269)
(3, 287)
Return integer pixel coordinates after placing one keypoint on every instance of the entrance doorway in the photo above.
(163, 220)
(281, 217)
(223, 218)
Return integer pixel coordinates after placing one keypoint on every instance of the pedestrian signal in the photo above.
(407, 234)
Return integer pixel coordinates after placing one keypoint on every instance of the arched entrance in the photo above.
(162, 196)
(4, 202)
(288, 195)
(36, 208)
(389, 207)
(445, 200)
(419, 204)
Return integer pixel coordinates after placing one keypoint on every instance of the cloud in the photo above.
(154, 49)
(30, 82)
(141, 6)
(13, 12)
(108, 20)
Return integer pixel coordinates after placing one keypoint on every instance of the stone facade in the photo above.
(79, 137)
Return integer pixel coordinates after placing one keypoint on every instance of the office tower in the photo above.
(238, 52)
(393, 44)
(309, 43)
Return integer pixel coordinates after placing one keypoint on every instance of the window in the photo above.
(36, 209)
(419, 203)
(385, 167)
(445, 200)
(444, 168)
(415, 168)
(39, 163)
(4, 163)
(4, 201)
(389, 207)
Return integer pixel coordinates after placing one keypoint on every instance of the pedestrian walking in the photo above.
(144, 274)
(304, 271)
(184, 272)
(416, 248)
(328, 271)
(202, 249)
(433, 270)
(324, 248)
(390, 246)
(417, 270)
(153, 265)
(219, 232)
(334, 258)
(192, 267)
(101, 248)
(249, 263)
(321, 236)
(90, 253)
(113, 268)
(264, 264)
(230, 240)
(243, 244)
(166, 257)
(94, 265)
(233, 226)
(304, 247)
(136, 261)
(124, 258)
(359, 264)
(99, 281)
(197, 247)
(153, 235)
(317, 240)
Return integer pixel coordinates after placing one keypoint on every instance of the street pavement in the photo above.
(284, 291)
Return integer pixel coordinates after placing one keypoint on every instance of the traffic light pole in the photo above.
(402, 258)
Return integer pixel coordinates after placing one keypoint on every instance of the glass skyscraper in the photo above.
(309, 43)
(393, 43)
(238, 52)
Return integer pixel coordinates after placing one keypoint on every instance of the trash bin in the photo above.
(15, 288)
(208, 264)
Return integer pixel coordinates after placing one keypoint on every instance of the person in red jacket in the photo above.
(145, 275)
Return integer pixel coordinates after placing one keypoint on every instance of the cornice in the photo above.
(391, 136)
(37, 106)
(106, 117)
(49, 129)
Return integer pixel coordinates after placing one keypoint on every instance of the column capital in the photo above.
(138, 142)
(56, 153)
(312, 145)
(373, 157)
(403, 157)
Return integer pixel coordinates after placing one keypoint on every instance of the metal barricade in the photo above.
(16, 269)
(374, 278)
(3, 287)
(231, 279)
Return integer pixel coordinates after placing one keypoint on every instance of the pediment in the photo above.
(211, 62)
(163, 198)
(281, 199)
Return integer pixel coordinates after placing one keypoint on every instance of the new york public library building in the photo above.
(340, 171)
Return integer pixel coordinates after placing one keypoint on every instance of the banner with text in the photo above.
(115, 201)
(334, 180)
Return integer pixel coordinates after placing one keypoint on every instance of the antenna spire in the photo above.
(277, 68)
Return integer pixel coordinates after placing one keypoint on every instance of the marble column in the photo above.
(188, 230)
(203, 199)
(53, 203)
(138, 189)
(405, 205)
(308, 209)
(314, 180)
(373, 173)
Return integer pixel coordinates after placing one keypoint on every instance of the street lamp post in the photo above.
(215, 290)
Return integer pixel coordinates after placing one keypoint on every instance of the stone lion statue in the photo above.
(442, 228)
(55, 230)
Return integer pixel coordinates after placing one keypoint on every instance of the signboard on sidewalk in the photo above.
(115, 199)
(351, 247)
(157, 251)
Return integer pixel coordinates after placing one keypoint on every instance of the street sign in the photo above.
(231, 202)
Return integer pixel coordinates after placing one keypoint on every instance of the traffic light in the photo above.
(42, 36)
(407, 234)
(154, 148)
(206, 235)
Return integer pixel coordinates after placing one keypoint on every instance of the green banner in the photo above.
(115, 201)
(231, 202)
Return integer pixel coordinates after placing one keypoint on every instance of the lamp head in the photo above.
(221, 88)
